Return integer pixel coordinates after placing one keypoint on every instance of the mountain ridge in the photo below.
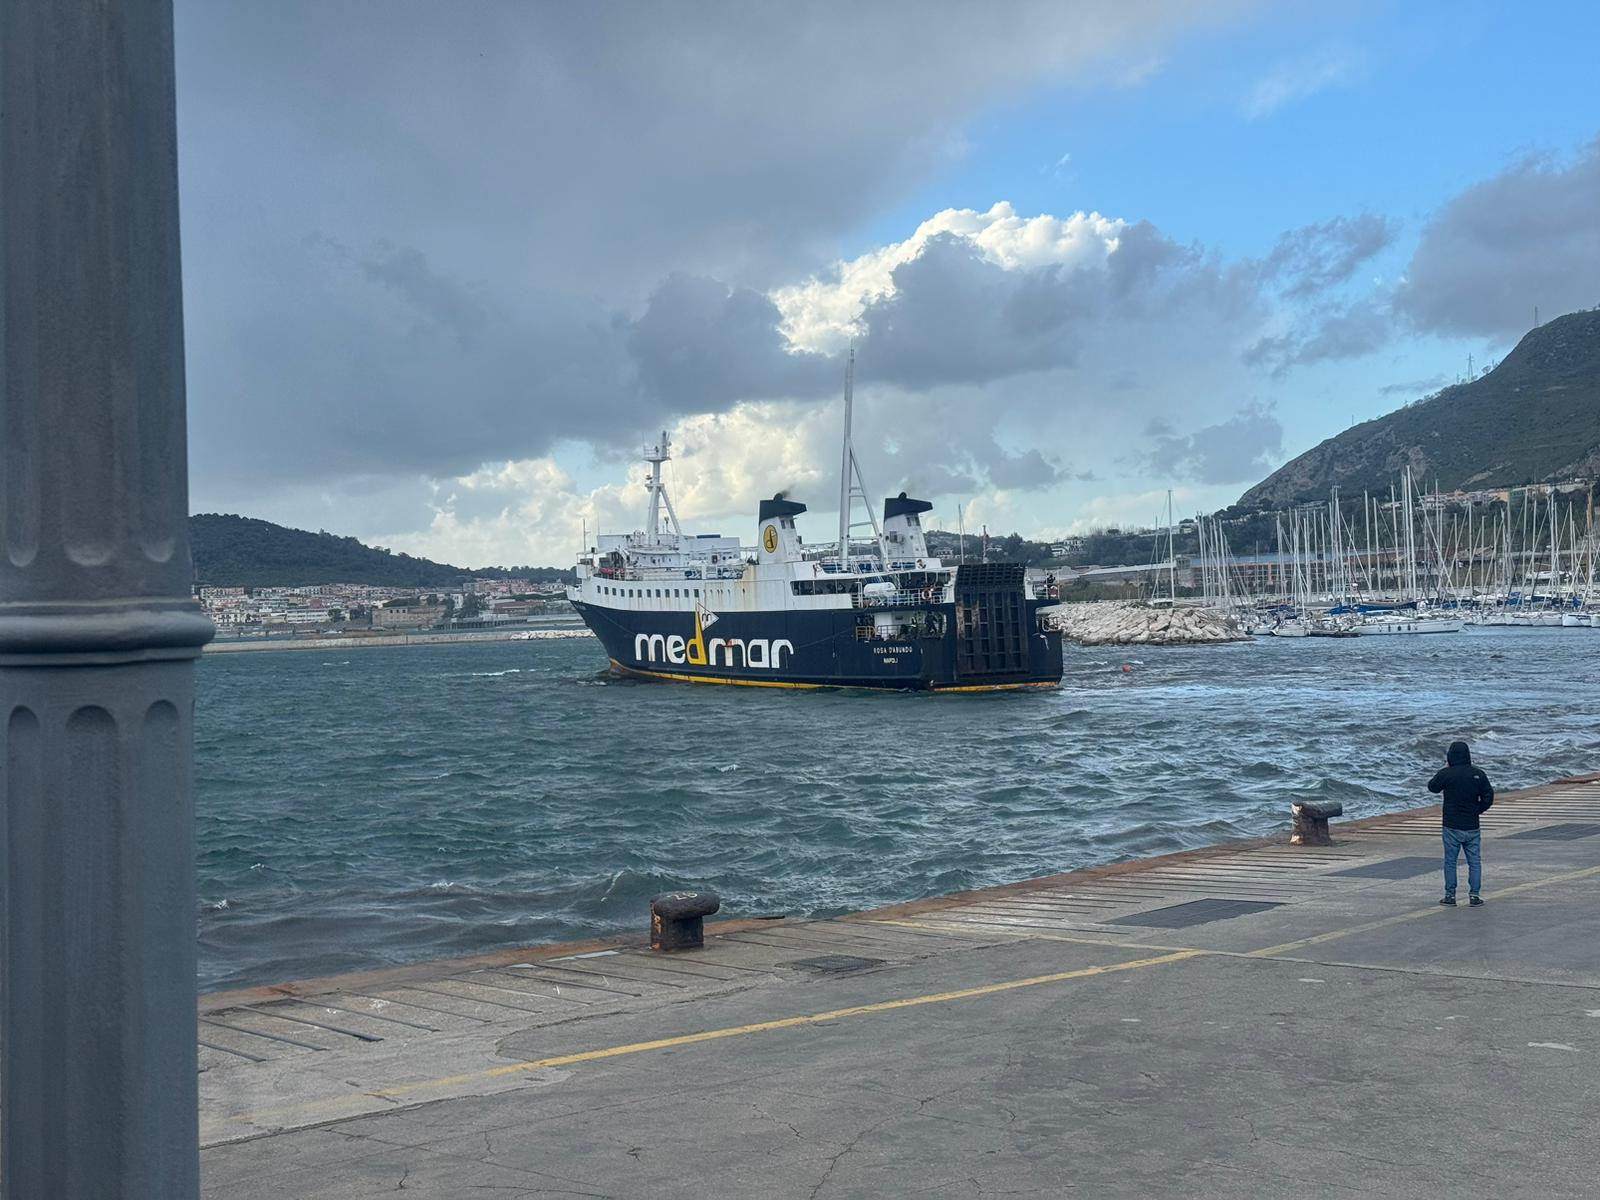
(235, 551)
(1534, 418)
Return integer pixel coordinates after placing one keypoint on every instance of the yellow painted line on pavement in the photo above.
(837, 1014)
(709, 1035)
(972, 930)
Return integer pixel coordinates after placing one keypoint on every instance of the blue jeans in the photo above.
(1462, 839)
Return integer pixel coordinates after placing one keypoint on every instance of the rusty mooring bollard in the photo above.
(677, 919)
(1311, 821)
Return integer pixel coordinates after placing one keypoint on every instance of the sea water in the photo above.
(377, 806)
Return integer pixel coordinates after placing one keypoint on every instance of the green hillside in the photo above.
(1535, 418)
(232, 551)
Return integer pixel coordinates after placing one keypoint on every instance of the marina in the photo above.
(1418, 565)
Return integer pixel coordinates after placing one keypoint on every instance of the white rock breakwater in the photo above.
(1112, 623)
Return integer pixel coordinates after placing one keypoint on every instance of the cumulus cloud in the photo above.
(532, 511)
(1528, 236)
(974, 297)
(997, 354)
(543, 233)
(701, 344)
(457, 236)
(825, 311)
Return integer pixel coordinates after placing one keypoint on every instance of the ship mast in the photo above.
(655, 456)
(851, 487)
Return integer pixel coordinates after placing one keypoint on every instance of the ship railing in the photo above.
(687, 574)
(855, 566)
(904, 598)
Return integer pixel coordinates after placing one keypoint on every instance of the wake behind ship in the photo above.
(882, 613)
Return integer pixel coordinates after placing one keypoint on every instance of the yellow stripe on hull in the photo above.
(767, 683)
(995, 687)
(774, 683)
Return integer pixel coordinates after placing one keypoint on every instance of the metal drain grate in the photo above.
(835, 964)
(1195, 912)
(1392, 868)
(1560, 833)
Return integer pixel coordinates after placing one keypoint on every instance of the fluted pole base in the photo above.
(99, 1060)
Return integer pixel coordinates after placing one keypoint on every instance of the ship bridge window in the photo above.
(821, 587)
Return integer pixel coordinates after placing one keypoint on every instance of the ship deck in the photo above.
(1249, 1020)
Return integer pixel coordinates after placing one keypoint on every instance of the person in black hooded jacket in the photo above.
(1467, 794)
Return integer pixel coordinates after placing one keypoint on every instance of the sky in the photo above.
(447, 267)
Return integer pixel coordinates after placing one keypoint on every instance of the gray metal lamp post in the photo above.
(98, 630)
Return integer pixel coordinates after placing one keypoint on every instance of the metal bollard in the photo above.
(1311, 821)
(677, 919)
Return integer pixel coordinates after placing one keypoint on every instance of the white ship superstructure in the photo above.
(877, 611)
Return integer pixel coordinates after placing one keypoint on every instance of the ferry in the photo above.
(870, 612)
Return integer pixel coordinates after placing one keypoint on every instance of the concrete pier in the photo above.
(1252, 1020)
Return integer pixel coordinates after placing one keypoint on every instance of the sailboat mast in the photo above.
(1411, 543)
(1366, 520)
(1172, 557)
(1336, 537)
(1555, 550)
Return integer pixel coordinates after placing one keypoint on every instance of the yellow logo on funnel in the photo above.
(769, 539)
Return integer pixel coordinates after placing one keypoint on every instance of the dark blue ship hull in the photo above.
(989, 639)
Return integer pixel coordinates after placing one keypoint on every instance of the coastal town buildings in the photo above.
(360, 608)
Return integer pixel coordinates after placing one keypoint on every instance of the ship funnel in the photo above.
(902, 528)
(777, 540)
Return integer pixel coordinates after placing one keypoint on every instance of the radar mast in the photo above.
(656, 455)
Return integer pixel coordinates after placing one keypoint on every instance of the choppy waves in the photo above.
(449, 799)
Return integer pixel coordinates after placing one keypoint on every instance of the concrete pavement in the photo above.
(1262, 1020)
